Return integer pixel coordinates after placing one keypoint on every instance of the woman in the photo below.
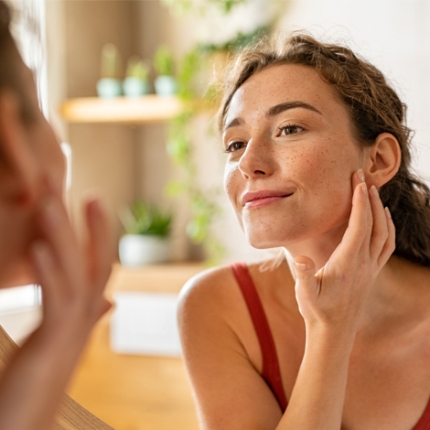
(38, 245)
(337, 334)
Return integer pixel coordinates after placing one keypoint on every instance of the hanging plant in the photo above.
(180, 143)
(201, 6)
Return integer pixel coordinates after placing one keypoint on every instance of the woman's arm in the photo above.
(330, 303)
(229, 391)
(72, 280)
(230, 394)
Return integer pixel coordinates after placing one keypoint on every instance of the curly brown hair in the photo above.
(374, 108)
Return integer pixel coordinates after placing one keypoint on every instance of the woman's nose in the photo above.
(256, 160)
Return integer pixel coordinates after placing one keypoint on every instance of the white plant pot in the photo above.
(165, 85)
(135, 87)
(141, 250)
(109, 88)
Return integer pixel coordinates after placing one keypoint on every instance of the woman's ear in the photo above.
(18, 166)
(383, 160)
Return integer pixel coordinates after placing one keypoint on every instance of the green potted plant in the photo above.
(165, 83)
(147, 238)
(136, 82)
(109, 85)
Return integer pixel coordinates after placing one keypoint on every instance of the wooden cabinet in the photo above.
(136, 392)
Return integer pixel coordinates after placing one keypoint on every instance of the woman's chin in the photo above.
(264, 242)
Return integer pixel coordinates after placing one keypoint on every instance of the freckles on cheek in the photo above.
(229, 182)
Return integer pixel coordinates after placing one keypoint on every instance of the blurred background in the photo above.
(139, 161)
(156, 157)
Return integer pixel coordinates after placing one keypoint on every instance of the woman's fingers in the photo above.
(390, 243)
(370, 227)
(337, 291)
(307, 284)
(380, 225)
(357, 178)
(358, 225)
(105, 306)
(66, 274)
(49, 276)
(99, 254)
(60, 237)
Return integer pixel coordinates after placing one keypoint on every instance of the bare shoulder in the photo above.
(210, 312)
(207, 292)
(218, 346)
(217, 287)
(213, 299)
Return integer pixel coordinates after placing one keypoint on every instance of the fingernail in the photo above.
(387, 211)
(364, 187)
(301, 266)
(374, 191)
(360, 174)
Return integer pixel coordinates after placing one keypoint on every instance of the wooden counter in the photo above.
(136, 392)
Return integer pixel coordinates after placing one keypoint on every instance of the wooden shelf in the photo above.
(120, 110)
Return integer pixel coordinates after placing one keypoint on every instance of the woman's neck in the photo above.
(394, 293)
(319, 249)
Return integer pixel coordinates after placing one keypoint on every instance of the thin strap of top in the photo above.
(271, 371)
(424, 422)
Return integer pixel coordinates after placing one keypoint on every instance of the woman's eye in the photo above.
(234, 146)
(290, 129)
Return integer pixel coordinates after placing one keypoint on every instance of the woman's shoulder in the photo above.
(208, 311)
(210, 288)
(217, 288)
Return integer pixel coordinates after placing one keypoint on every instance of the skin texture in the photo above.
(348, 319)
(39, 245)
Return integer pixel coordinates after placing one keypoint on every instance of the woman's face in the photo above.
(291, 154)
(43, 141)
(18, 225)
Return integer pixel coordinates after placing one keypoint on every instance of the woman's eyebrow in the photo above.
(233, 123)
(275, 110)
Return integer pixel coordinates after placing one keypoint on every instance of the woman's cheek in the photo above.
(232, 178)
(229, 174)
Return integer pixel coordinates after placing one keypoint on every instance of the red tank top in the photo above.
(271, 372)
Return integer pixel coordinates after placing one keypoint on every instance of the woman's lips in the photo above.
(256, 199)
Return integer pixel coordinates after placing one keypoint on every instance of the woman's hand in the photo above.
(72, 278)
(334, 295)
(73, 281)
(330, 302)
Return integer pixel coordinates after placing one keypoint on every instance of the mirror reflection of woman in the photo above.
(335, 335)
(38, 245)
